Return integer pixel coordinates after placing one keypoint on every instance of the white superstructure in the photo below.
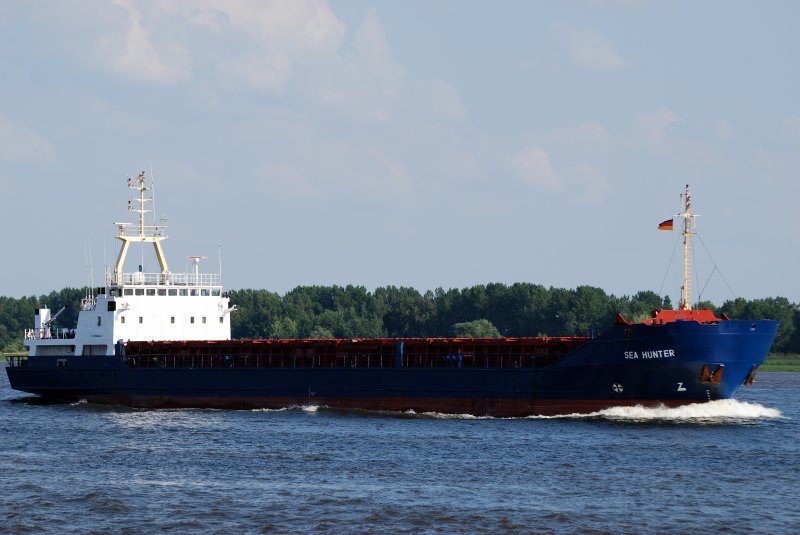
(137, 305)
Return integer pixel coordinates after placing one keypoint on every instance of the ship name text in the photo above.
(655, 354)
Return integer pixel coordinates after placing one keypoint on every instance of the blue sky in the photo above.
(410, 143)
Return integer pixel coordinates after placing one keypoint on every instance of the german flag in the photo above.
(666, 225)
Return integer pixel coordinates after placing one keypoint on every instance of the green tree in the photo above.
(255, 312)
(405, 312)
(283, 328)
(320, 332)
(640, 306)
(480, 328)
(706, 305)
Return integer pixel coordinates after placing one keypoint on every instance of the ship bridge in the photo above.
(140, 305)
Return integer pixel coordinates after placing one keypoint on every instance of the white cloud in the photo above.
(295, 27)
(443, 99)
(588, 49)
(270, 71)
(589, 133)
(533, 165)
(255, 43)
(21, 143)
(589, 184)
(653, 126)
(131, 52)
(366, 81)
(267, 45)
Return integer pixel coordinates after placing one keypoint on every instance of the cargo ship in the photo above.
(163, 339)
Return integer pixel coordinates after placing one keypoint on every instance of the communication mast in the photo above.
(142, 233)
(688, 231)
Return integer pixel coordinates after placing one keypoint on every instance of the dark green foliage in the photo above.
(521, 309)
(476, 329)
(256, 311)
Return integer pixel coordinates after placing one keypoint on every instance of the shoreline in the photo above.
(781, 363)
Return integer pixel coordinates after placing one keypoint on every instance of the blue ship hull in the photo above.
(673, 364)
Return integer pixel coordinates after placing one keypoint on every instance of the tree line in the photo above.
(491, 310)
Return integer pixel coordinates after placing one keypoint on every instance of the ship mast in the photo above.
(142, 233)
(688, 227)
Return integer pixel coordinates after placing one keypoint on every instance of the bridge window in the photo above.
(204, 292)
(128, 291)
(173, 291)
(191, 320)
(151, 291)
(183, 291)
(122, 319)
(139, 291)
(215, 293)
(162, 291)
(194, 291)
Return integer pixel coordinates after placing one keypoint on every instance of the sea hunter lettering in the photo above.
(656, 354)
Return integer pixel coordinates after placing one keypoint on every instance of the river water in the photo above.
(722, 467)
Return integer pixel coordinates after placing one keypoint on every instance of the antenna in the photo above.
(688, 228)
(140, 233)
(105, 262)
(219, 254)
(153, 189)
(91, 271)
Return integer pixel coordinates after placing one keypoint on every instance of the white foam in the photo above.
(304, 408)
(718, 411)
(444, 415)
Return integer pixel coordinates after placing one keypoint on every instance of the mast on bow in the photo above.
(688, 231)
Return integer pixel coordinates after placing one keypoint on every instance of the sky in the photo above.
(415, 143)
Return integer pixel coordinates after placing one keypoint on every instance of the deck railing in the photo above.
(138, 278)
(46, 333)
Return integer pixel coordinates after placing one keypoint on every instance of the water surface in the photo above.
(722, 467)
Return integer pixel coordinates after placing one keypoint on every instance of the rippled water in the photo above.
(722, 467)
